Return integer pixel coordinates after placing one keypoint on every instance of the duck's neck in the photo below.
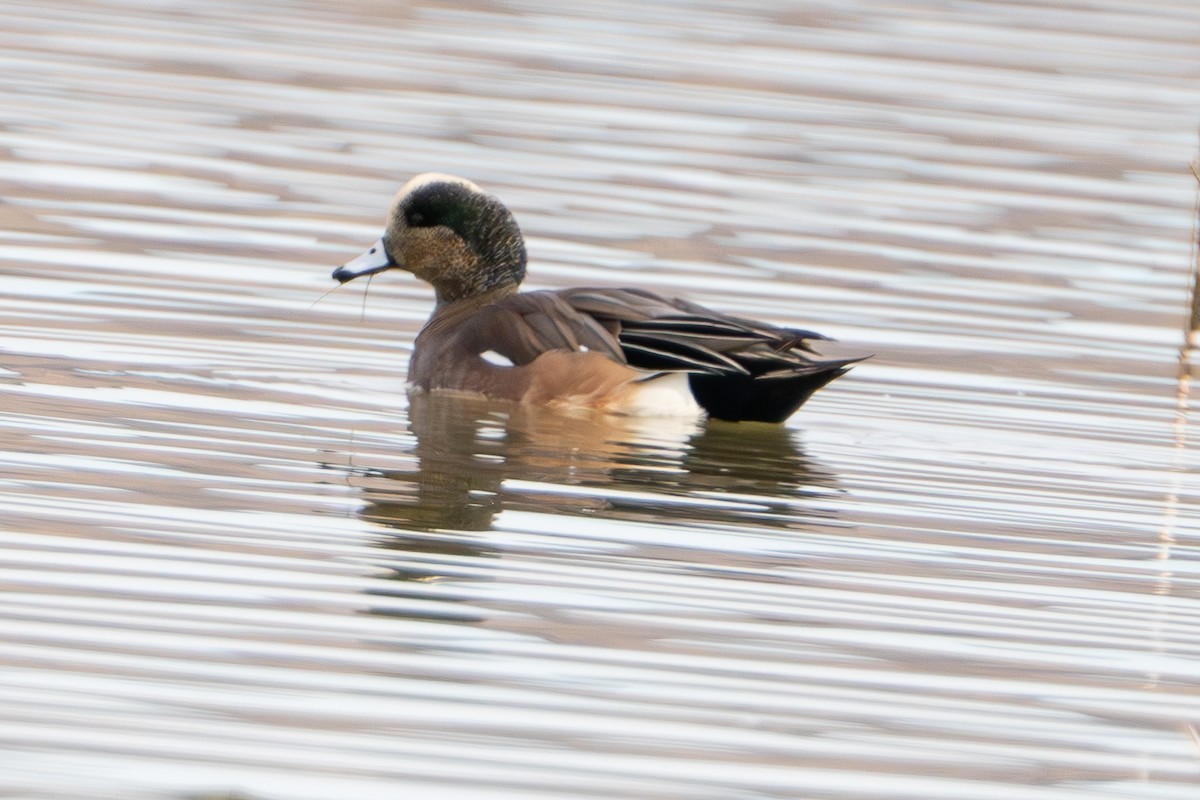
(475, 300)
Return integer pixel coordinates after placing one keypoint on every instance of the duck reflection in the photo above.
(474, 458)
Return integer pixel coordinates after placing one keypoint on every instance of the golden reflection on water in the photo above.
(473, 459)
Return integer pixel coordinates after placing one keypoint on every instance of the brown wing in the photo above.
(522, 326)
(661, 333)
(740, 369)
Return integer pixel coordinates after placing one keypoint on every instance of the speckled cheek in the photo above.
(436, 255)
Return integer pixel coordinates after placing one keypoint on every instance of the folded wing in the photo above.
(738, 369)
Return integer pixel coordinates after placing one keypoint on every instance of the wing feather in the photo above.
(656, 332)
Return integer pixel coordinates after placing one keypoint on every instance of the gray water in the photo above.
(236, 561)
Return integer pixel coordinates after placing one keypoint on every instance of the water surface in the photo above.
(236, 559)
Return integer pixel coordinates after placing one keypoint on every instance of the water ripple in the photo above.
(238, 562)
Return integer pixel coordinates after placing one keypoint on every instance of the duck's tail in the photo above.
(764, 398)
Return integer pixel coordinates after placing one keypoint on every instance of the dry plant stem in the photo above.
(322, 297)
(1194, 319)
(362, 314)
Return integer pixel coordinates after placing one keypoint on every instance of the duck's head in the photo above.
(451, 234)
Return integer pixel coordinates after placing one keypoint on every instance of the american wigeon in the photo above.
(624, 351)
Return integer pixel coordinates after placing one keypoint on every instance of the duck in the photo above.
(624, 351)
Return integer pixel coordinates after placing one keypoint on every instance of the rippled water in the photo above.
(237, 562)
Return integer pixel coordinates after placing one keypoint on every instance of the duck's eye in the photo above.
(416, 219)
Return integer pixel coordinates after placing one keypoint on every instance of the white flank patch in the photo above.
(665, 395)
(495, 359)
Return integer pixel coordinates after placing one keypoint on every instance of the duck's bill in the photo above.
(375, 259)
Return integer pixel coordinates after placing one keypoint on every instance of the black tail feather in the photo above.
(740, 398)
